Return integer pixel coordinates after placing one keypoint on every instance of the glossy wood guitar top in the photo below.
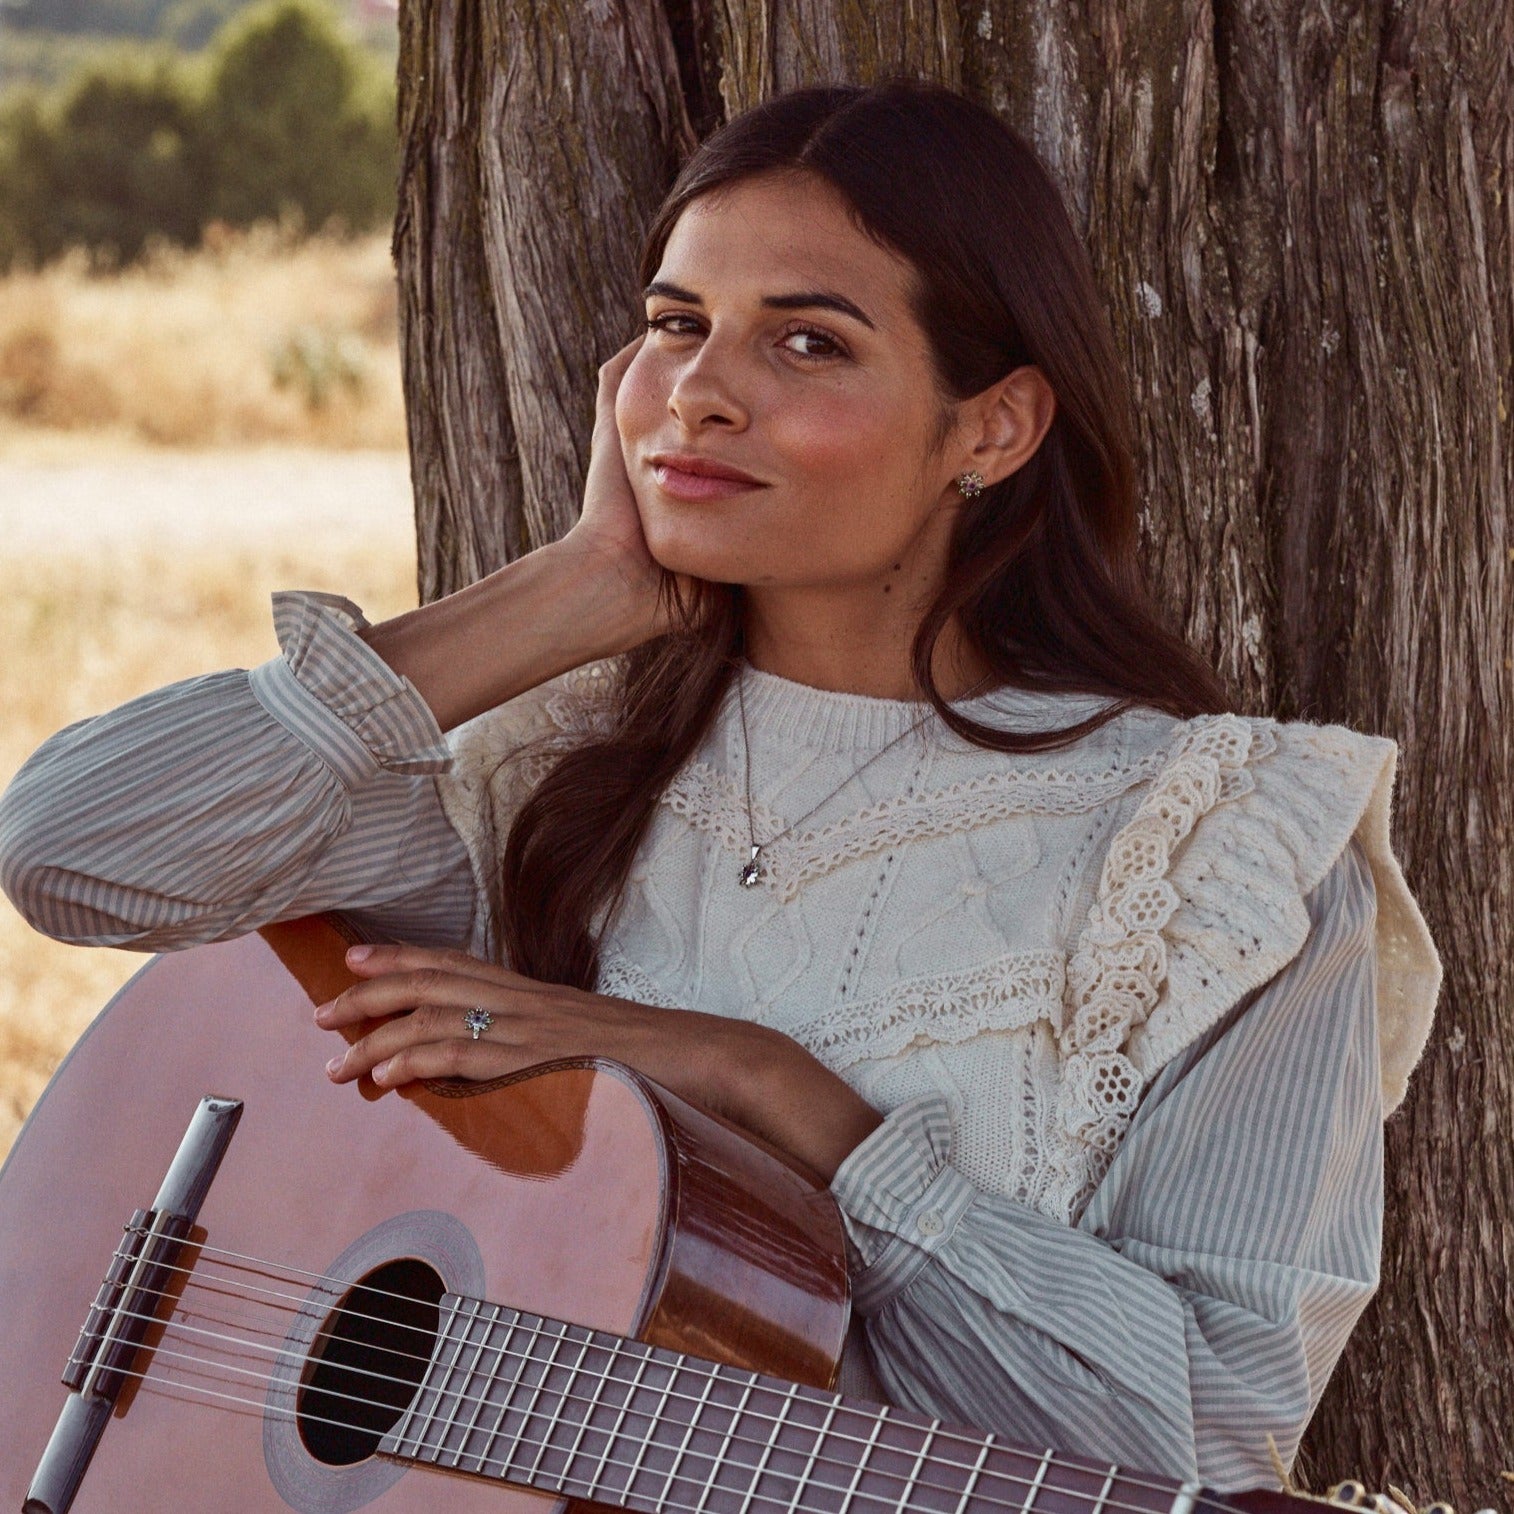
(583, 1194)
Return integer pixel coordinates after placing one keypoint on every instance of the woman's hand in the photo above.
(608, 531)
(591, 594)
(752, 1076)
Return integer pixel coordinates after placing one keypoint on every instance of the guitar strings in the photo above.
(591, 1489)
(536, 1333)
(267, 1267)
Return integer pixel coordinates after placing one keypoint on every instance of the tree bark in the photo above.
(1302, 219)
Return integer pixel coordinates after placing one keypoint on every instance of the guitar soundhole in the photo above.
(368, 1361)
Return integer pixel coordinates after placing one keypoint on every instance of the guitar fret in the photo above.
(486, 1459)
(1187, 1493)
(1103, 1498)
(451, 1425)
(562, 1402)
(620, 1419)
(717, 1460)
(536, 1392)
(628, 1492)
(1040, 1477)
(974, 1475)
(862, 1459)
(914, 1471)
(688, 1435)
(599, 1387)
(481, 1396)
(772, 1442)
(409, 1443)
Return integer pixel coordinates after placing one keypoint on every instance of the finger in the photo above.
(430, 1025)
(398, 992)
(369, 960)
(473, 1060)
(612, 370)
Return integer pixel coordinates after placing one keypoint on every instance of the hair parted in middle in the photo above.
(1043, 571)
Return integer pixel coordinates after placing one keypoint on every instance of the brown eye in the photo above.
(831, 347)
(666, 322)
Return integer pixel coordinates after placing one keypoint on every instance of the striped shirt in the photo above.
(1194, 1309)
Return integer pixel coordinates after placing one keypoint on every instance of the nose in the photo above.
(703, 392)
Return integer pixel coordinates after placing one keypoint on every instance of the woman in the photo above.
(835, 772)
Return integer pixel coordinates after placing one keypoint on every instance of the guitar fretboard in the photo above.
(593, 1416)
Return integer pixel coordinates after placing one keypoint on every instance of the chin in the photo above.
(702, 548)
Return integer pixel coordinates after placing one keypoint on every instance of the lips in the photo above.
(701, 467)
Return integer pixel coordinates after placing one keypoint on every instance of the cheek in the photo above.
(641, 401)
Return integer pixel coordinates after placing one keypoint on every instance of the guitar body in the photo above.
(580, 1192)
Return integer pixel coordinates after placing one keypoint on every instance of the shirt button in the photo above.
(931, 1222)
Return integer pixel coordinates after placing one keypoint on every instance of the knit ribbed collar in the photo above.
(823, 719)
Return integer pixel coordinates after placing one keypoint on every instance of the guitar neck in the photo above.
(594, 1416)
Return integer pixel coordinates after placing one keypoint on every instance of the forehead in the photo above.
(777, 233)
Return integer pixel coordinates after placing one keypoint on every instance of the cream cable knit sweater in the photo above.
(1032, 936)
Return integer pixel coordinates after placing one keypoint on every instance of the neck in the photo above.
(592, 1416)
(846, 650)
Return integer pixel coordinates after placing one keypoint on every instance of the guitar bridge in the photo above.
(127, 1305)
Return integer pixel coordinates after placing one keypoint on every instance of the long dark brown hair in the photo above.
(1042, 572)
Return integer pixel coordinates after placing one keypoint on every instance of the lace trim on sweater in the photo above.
(1182, 930)
(1117, 968)
(1006, 993)
(712, 802)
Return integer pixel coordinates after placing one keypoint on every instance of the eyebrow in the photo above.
(809, 299)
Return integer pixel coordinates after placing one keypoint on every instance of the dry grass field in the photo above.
(157, 482)
(82, 634)
(250, 340)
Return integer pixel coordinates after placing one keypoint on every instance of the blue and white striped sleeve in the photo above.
(218, 804)
(1201, 1300)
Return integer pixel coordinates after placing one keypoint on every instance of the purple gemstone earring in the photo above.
(970, 483)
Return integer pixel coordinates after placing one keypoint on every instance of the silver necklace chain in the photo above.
(751, 873)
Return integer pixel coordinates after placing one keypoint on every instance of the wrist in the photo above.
(527, 622)
(778, 1089)
(613, 601)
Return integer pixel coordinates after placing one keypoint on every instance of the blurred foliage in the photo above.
(285, 115)
(315, 362)
(186, 23)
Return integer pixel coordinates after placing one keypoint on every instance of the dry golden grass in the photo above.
(82, 635)
(255, 338)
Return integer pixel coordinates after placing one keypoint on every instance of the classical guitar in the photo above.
(231, 1285)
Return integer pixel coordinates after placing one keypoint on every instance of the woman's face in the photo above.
(782, 345)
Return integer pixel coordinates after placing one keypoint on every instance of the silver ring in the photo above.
(478, 1020)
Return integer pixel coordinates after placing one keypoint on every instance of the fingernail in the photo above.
(359, 953)
(323, 1012)
(380, 1073)
(334, 1065)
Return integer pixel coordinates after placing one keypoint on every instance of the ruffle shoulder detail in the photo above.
(499, 757)
(1201, 900)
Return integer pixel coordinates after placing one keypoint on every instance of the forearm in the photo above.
(768, 1084)
(554, 609)
(1196, 1307)
(211, 806)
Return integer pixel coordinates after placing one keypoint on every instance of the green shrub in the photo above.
(285, 118)
(296, 117)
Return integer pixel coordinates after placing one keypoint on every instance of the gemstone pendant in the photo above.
(752, 871)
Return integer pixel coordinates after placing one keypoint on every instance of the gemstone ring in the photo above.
(478, 1020)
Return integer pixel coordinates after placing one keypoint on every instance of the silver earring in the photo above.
(970, 484)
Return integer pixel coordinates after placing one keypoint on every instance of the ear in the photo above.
(1011, 418)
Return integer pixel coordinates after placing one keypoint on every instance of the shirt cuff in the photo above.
(333, 691)
(900, 1199)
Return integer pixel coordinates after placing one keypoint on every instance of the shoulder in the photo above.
(487, 750)
(499, 757)
(1249, 828)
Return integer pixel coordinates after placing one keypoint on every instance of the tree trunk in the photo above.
(1302, 221)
